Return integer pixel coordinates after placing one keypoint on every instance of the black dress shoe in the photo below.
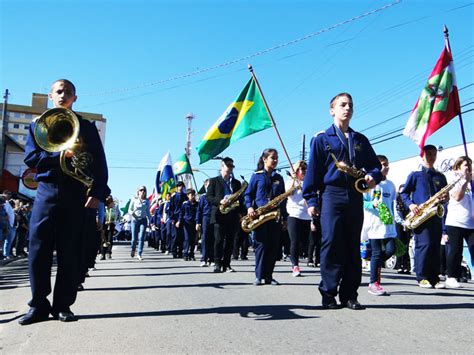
(331, 305)
(355, 305)
(64, 316)
(34, 316)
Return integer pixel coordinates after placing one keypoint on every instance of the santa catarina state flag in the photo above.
(438, 102)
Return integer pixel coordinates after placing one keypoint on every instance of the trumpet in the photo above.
(57, 130)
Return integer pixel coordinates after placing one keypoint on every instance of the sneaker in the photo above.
(167, 252)
(296, 271)
(212, 264)
(376, 290)
(139, 257)
(257, 282)
(439, 285)
(425, 284)
(285, 257)
(310, 264)
(203, 264)
(451, 282)
(229, 269)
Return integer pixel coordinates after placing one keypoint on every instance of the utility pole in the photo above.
(303, 150)
(187, 177)
(4, 128)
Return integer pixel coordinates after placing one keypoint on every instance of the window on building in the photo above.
(16, 125)
(26, 126)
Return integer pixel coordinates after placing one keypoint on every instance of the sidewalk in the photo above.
(164, 305)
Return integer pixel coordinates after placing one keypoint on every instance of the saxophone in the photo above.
(233, 200)
(267, 212)
(360, 184)
(429, 208)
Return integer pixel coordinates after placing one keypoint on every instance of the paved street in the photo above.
(161, 305)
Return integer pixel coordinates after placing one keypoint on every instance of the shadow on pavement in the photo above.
(270, 312)
(432, 307)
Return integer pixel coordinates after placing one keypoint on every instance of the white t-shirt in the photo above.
(460, 213)
(373, 228)
(296, 205)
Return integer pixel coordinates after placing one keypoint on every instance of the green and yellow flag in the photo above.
(245, 116)
(182, 166)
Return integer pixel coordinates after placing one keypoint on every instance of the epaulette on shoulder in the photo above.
(259, 171)
(319, 133)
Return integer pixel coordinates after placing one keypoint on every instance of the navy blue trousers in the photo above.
(189, 239)
(427, 250)
(176, 240)
(207, 240)
(341, 224)
(266, 243)
(56, 222)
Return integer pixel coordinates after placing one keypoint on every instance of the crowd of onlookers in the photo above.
(14, 220)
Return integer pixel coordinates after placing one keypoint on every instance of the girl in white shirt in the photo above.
(459, 220)
(298, 218)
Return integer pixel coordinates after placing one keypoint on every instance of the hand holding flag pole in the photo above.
(271, 118)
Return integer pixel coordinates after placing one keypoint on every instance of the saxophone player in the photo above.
(419, 187)
(61, 208)
(264, 185)
(341, 207)
(225, 225)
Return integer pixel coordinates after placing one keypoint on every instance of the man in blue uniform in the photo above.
(176, 230)
(341, 209)
(420, 186)
(59, 215)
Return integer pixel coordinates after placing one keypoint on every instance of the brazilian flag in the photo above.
(245, 116)
(182, 166)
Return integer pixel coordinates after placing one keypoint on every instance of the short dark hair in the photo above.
(228, 161)
(429, 147)
(382, 157)
(346, 94)
(180, 183)
(66, 82)
(191, 191)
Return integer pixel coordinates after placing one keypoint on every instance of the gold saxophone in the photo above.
(360, 183)
(429, 208)
(267, 212)
(233, 200)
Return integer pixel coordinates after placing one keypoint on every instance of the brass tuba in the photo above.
(429, 208)
(267, 212)
(57, 130)
(233, 200)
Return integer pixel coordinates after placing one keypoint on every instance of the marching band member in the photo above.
(176, 202)
(460, 221)
(419, 187)
(112, 216)
(341, 209)
(225, 225)
(379, 226)
(298, 218)
(265, 184)
(58, 215)
(187, 219)
(203, 217)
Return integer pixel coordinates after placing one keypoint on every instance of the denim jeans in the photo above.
(138, 233)
(379, 256)
(8, 244)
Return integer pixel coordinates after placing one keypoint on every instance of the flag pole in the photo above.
(271, 118)
(448, 47)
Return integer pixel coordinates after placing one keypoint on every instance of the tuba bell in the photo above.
(57, 130)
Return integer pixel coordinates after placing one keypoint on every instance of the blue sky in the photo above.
(130, 60)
